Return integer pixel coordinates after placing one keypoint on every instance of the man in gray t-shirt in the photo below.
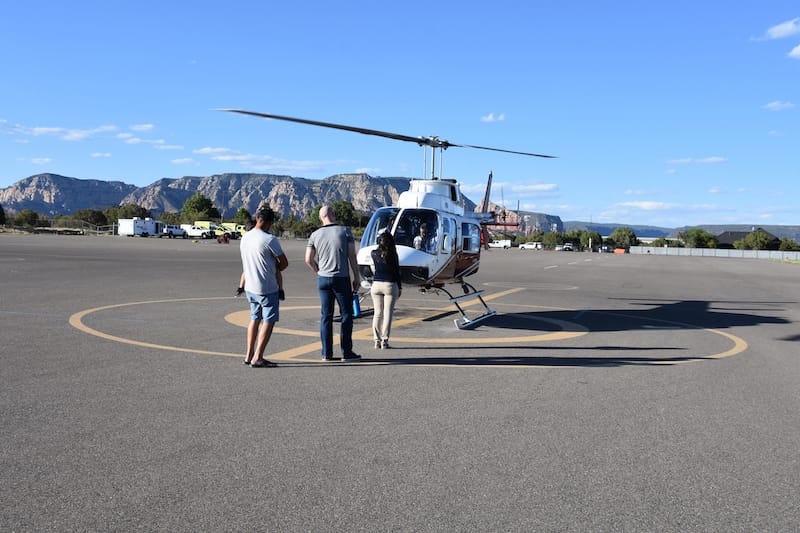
(331, 253)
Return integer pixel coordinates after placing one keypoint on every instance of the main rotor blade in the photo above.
(502, 150)
(433, 141)
(365, 131)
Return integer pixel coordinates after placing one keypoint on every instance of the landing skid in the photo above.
(469, 294)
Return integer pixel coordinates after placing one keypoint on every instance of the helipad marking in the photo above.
(569, 330)
(76, 321)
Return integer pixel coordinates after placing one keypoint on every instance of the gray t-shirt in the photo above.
(331, 245)
(260, 251)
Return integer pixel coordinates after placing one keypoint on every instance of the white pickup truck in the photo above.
(197, 231)
(173, 232)
(533, 245)
(502, 243)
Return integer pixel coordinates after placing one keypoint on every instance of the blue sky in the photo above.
(664, 113)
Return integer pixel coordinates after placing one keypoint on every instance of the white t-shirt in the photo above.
(260, 251)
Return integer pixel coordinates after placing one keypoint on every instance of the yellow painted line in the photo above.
(241, 318)
(76, 321)
(739, 344)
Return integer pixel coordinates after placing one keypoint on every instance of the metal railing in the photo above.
(718, 252)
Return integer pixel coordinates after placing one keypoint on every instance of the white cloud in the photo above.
(101, 154)
(784, 29)
(137, 140)
(795, 53)
(536, 189)
(169, 147)
(715, 190)
(260, 163)
(142, 127)
(666, 206)
(641, 192)
(209, 150)
(647, 205)
(692, 160)
(37, 131)
(367, 170)
(80, 135)
(492, 118)
(777, 105)
(182, 161)
(41, 160)
(67, 134)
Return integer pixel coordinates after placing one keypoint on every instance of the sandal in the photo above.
(263, 363)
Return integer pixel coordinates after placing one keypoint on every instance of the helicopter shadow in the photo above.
(677, 315)
(683, 315)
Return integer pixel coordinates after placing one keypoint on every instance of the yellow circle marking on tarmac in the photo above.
(242, 318)
(76, 321)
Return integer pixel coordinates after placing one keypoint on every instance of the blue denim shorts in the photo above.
(263, 306)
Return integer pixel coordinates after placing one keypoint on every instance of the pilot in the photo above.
(424, 241)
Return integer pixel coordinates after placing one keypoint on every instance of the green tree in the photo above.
(27, 217)
(788, 245)
(170, 217)
(698, 238)
(125, 211)
(623, 238)
(2, 215)
(198, 207)
(92, 216)
(551, 239)
(242, 216)
(756, 240)
(669, 243)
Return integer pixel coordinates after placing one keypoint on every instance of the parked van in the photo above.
(143, 227)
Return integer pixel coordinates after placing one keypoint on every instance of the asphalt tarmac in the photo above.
(610, 393)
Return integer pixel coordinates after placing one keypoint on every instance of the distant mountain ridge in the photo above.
(641, 231)
(52, 194)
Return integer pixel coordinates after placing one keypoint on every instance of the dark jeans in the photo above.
(337, 289)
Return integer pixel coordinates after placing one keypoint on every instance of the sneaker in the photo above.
(377, 345)
(351, 358)
(385, 344)
(327, 359)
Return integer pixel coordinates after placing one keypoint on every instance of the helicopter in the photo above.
(438, 240)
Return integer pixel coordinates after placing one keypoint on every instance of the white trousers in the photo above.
(384, 296)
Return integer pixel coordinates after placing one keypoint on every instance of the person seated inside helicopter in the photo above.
(426, 240)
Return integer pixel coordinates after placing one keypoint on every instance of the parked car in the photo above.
(530, 246)
(567, 247)
(173, 232)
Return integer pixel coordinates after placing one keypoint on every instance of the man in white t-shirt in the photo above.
(262, 260)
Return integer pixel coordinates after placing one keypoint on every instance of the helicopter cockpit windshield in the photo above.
(382, 220)
(418, 228)
(415, 228)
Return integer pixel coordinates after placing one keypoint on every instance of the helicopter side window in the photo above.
(448, 229)
(471, 236)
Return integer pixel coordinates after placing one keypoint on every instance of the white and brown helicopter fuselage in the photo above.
(452, 247)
